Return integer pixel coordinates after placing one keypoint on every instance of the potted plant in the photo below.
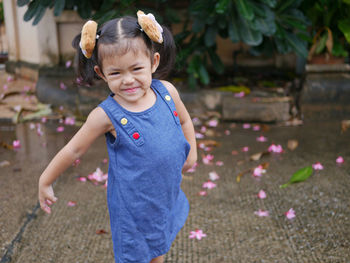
(330, 29)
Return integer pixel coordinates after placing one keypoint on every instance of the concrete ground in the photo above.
(320, 231)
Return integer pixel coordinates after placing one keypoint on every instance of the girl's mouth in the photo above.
(131, 90)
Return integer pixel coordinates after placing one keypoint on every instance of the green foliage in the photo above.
(267, 26)
(1, 13)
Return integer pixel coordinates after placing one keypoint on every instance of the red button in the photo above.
(136, 135)
(175, 113)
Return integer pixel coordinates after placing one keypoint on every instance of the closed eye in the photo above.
(138, 68)
(114, 73)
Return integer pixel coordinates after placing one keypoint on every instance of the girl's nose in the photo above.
(128, 79)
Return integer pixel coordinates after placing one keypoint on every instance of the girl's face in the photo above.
(129, 76)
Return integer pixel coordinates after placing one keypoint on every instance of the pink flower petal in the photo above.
(198, 234)
(69, 121)
(193, 168)
(76, 162)
(258, 171)
(207, 159)
(202, 193)
(245, 149)
(262, 194)
(261, 139)
(16, 144)
(82, 179)
(209, 185)
(60, 129)
(219, 163)
(68, 63)
(5, 87)
(213, 176)
(256, 128)
(290, 214)
(71, 203)
(196, 121)
(105, 160)
(239, 94)
(340, 160)
(275, 148)
(317, 166)
(63, 86)
(261, 213)
(10, 79)
(199, 135)
(227, 132)
(213, 123)
(246, 126)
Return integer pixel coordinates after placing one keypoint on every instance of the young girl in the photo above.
(149, 134)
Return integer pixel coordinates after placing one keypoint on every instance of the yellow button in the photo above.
(124, 121)
(167, 97)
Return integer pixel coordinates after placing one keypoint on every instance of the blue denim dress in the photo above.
(146, 205)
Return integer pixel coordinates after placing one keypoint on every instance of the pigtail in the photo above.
(167, 51)
(84, 67)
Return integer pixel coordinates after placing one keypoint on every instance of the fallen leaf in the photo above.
(292, 144)
(6, 145)
(345, 124)
(258, 156)
(101, 231)
(299, 176)
(209, 143)
(4, 163)
(294, 122)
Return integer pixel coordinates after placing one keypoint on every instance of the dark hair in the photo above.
(117, 35)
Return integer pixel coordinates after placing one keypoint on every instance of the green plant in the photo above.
(1, 13)
(330, 26)
(267, 25)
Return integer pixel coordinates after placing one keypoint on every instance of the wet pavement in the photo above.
(320, 231)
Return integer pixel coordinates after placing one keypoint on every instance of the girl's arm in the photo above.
(186, 124)
(96, 124)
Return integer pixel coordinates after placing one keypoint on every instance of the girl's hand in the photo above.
(46, 197)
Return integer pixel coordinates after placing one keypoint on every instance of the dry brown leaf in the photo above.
(258, 156)
(209, 143)
(292, 144)
(4, 163)
(210, 133)
(294, 122)
(6, 145)
(265, 165)
(101, 231)
(345, 124)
